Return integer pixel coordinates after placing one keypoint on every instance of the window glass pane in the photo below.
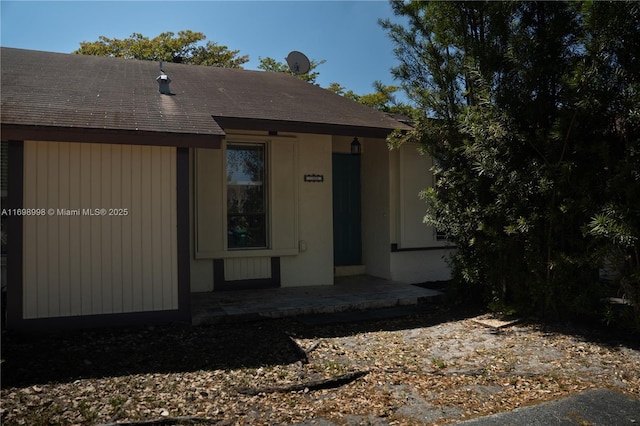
(246, 196)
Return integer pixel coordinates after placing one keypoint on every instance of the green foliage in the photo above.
(498, 307)
(438, 363)
(531, 112)
(271, 65)
(183, 48)
(615, 227)
(383, 99)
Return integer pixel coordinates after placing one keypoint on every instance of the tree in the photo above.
(608, 80)
(184, 48)
(271, 65)
(530, 110)
(383, 99)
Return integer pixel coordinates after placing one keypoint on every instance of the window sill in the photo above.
(246, 253)
(437, 246)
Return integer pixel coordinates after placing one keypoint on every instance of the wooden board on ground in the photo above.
(493, 322)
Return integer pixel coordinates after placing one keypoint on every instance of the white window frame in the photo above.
(210, 198)
(266, 189)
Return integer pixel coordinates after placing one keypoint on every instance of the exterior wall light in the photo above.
(356, 148)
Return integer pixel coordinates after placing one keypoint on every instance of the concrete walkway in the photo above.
(347, 294)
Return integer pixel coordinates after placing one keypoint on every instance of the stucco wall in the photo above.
(420, 266)
(299, 213)
(391, 213)
(80, 264)
(421, 257)
(209, 185)
(411, 175)
(376, 240)
(313, 265)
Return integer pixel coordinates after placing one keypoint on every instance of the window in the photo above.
(246, 196)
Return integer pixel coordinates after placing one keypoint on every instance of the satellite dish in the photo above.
(298, 62)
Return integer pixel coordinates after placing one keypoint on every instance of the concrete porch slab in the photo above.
(347, 294)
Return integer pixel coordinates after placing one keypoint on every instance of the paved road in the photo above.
(601, 407)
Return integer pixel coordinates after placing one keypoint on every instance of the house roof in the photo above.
(53, 94)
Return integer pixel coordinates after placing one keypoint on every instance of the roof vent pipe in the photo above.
(163, 82)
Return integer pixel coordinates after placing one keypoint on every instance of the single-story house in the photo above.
(130, 187)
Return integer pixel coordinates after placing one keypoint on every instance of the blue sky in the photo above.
(344, 33)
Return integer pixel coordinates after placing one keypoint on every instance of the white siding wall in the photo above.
(247, 268)
(86, 265)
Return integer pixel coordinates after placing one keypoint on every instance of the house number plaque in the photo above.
(314, 178)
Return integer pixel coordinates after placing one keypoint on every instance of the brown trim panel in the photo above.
(124, 137)
(303, 127)
(46, 325)
(14, 234)
(220, 284)
(395, 249)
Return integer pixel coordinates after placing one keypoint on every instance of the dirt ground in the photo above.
(431, 368)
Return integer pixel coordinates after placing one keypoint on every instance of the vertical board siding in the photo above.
(136, 229)
(95, 229)
(75, 249)
(52, 236)
(126, 242)
(42, 267)
(169, 242)
(146, 232)
(93, 264)
(247, 268)
(116, 236)
(106, 231)
(30, 275)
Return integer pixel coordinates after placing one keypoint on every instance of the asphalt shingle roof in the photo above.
(90, 92)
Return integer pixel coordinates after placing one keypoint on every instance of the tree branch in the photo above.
(164, 421)
(333, 382)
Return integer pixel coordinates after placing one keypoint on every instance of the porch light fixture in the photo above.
(356, 148)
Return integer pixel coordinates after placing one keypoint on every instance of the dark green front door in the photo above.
(347, 238)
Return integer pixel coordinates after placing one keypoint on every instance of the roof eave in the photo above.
(304, 127)
(112, 136)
